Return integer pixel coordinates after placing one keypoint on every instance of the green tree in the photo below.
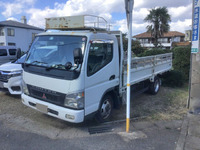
(158, 20)
(136, 47)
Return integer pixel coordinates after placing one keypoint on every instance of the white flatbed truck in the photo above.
(75, 71)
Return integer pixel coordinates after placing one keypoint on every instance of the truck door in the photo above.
(102, 71)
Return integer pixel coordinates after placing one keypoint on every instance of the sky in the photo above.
(112, 10)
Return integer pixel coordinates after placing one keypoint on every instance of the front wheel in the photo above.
(105, 109)
(154, 86)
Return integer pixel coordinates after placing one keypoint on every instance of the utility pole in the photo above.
(129, 9)
(194, 95)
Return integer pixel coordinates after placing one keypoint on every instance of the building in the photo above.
(166, 40)
(188, 35)
(19, 34)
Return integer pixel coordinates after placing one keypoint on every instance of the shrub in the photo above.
(181, 61)
(173, 79)
(154, 52)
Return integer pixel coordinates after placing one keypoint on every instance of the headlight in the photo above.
(25, 88)
(9, 74)
(16, 73)
(75, 100)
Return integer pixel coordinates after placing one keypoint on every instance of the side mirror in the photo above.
(78, 56)
(19, 52)
(22, 65)
(68, 65)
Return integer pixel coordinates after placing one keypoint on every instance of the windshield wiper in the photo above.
(67, 66)
(56, 66)
(32, 63)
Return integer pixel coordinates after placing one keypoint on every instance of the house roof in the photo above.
(168, 34)
(186, 43)
(11, 23)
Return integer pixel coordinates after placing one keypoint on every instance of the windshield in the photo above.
(21, 59)
(55, 51)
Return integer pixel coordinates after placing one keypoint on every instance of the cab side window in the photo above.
(100, 54)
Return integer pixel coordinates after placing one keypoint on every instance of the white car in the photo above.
(11, 76)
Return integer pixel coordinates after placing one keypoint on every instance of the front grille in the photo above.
(4, 78)
(47, 95)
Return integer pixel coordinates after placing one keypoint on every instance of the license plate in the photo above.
(42, 108)
(1, 84)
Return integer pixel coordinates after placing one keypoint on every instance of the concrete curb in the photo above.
(182, 138)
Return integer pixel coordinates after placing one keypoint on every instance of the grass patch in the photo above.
(168, 104)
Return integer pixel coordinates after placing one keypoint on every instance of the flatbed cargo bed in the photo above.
(143, 68)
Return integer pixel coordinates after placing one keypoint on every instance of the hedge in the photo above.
(173, 78)
(154, 52)
(181, 61)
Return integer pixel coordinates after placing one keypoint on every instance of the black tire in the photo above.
(154, 86)
(105, 109)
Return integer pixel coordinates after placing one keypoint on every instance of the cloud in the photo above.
(29, 2)
(16, 7)
(181, 25)
(11, 9)
(136, 28)
(180, 13)
(138, 16)
(160, 3)
(179, 10)
(76, 7)
(12, 18)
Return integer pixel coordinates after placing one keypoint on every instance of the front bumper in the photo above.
(14, 85)
(76, 116)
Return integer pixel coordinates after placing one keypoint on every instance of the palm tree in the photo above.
(159, 23)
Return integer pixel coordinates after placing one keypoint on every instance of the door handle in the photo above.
(112, 77)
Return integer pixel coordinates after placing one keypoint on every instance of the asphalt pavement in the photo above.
(159, 135)
(189, 138)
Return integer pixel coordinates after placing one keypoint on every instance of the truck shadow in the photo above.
(168, 104)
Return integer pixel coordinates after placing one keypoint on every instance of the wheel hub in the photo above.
(156, 86)
(106, 109)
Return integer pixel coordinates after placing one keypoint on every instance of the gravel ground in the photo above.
(162, 106)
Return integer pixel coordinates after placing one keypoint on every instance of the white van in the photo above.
(11, 76)
(7, 54)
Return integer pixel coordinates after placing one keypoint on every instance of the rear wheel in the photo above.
(154, 86)
(105, 109)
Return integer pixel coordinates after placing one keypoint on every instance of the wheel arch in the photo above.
(115, 97)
